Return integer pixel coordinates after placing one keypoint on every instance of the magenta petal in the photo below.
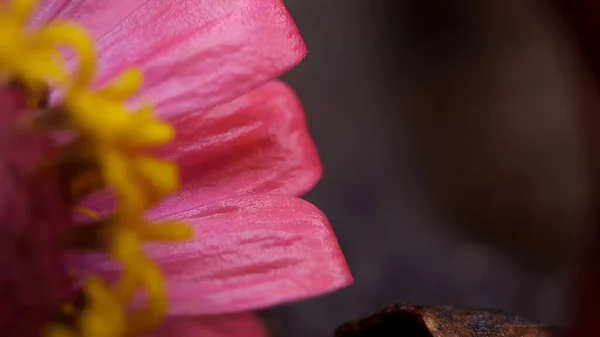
(251, 252)
(33, 277)
(234, 325)
(197, 54)
(257, 144)
(98, 17)
(46, 10)
(247, 253)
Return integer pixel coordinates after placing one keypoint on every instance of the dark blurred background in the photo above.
(453, 163)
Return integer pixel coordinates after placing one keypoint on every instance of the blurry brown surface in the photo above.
(454, 172)
(496, 130)
(411, 320)
(581, 20)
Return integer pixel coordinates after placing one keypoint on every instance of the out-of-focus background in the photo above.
(454, 171)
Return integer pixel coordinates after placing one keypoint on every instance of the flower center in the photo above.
(107, 148)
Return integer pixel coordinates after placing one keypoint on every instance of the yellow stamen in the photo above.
(125, 246)
(104, 316)
(111, 149)
(129, 194)
(124, 86)
(85, 183)
(146, 319)
(59, 330)
(150, 132)
(68, 309)
(87, 212)
(166, 231)
(127, 285)
(20, 11)
(72, 36)
(159, 175)
(26, 55)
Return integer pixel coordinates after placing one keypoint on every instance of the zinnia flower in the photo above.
(73, 130)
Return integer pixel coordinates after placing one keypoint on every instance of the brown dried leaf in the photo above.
(411, 320)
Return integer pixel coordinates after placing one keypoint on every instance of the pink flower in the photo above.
(255, 244)
(243, 152)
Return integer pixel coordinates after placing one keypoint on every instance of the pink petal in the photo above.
(194, 54)
(248, 253)
(234, 325)
(252, 252)
(257, 144)
(97, 16)
(46, 10)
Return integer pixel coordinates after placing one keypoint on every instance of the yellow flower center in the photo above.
(110, 150)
